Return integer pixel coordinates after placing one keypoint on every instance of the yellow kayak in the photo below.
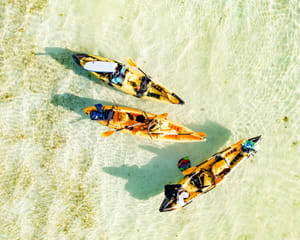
(205, 176)
(143, 124)
(129, 79)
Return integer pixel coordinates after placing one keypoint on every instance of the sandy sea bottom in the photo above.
(236, 65)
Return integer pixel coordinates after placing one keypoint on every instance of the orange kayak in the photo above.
(207, 175)
(143, 124)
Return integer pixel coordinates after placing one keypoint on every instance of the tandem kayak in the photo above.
(143, 124)
(129, 79)
(207, 175)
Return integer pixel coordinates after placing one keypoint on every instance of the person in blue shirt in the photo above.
(101, 115)
(119, 75)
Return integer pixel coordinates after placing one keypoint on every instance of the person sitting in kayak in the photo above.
(181, 195)
(143, 86)
(101, 115)
(118, 76)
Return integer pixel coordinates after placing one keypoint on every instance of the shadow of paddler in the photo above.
(75, 103)
(149, 180)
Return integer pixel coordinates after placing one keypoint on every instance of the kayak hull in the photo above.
(132, 82)
(161, 130)
(215, 169)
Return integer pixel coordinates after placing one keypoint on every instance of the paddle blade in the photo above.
(131, 62)
(189, 170)
(201, 135)
(107, 134)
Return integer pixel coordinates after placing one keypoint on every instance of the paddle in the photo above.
(189, 170)
(133, 64)
(109, 133)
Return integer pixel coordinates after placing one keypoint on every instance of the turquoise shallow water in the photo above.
(236, 65)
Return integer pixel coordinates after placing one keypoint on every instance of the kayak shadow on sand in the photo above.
(64, 57)
(149, 180)
(75, 103)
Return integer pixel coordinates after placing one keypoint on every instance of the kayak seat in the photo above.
(220, 168)
(202, 180)
(196, 181)
(206, 179)
(109, 113)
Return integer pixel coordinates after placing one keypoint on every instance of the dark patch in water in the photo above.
(148, 180)
(7, 96)
(75, 103)
(285, 119)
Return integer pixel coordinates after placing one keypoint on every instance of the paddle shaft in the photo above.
(132, 63)
(134, 125)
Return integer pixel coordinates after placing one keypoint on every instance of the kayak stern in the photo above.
(166, 206)
(77, 57)
(255, 139)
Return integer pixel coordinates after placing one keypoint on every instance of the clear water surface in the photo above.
(236, 65)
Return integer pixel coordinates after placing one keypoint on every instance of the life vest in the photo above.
(101, 115)
(98, 116)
